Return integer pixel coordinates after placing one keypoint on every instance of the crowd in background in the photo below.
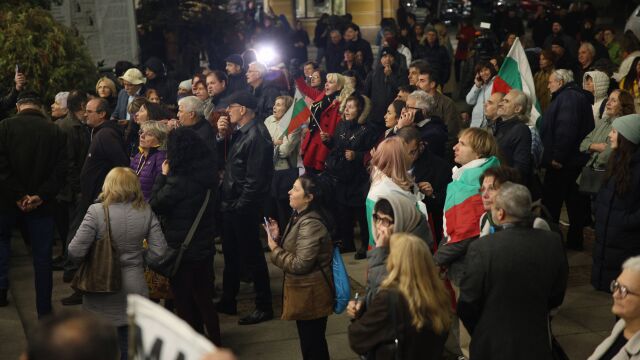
(451, 205)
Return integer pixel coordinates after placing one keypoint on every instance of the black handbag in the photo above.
(591, 180)
(100, 272)
(168, 265)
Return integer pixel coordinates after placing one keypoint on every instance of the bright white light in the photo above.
(266, 54)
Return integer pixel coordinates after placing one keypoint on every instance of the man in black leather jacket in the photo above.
(248, 150)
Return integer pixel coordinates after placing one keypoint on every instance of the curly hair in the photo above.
(184, 149)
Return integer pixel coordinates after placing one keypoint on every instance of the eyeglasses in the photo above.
(624, 291)
(411, 108)
(384, 221)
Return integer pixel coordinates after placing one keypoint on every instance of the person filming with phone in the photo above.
(304, 253)
(9, 101)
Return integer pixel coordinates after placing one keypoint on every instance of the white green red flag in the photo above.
(297, 114)
(515, 73)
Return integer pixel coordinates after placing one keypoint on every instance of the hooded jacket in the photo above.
(406, 218)
(601, 89)
(438, 59)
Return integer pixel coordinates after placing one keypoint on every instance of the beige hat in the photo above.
(134, 76)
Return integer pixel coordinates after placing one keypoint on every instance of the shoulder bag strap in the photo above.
(107, 233)
(192, 231)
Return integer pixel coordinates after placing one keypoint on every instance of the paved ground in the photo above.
(582, 322)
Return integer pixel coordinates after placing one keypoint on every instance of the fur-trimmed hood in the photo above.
(366, 111)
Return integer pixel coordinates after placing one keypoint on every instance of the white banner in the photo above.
(158, 334)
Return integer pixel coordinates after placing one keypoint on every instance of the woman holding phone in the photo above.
(480, 92)
(304, 253)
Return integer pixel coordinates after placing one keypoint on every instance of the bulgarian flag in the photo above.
(463, 204)
(297, 114)
(515, 73)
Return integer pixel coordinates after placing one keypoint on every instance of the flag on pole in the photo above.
(515, 73)
(297, 114)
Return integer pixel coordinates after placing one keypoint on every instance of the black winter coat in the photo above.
(514, 278)
(32, 160)
(434, 134)
(177, 200)
(382, 89)
(436, 171)
(78, 138)
(376, 328)
(565, 123)
(438, 59)
(205, 132)
(237, 82)
(249, 167)
(106, 151)
(514, 141)
(266, 95)
(352, 178)
(334, 54)
(617, 228)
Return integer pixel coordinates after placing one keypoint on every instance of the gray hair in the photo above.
(424, 101)
(632, 263)
(158, 130)
(523, 100)
(260, 68)
(515, 200)
(192, 103)
(564, 75)
(589, 47)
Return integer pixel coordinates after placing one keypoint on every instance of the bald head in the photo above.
(491, 106)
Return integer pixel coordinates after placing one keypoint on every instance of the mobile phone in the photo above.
(17, 68)
(356, 297)
(266, 226)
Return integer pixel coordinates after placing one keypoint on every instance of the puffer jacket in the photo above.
(177, 199)
(305, 252)
(566, 122)
(148, 168)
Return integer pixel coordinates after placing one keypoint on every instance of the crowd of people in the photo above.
(456, 209)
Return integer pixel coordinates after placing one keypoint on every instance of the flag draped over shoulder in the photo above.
(297, 114)
(515, 73)
(463, 204)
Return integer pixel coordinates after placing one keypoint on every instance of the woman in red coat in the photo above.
(326, 113)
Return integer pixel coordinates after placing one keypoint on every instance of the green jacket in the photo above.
(599, 135)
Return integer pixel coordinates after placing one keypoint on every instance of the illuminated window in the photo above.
(315, 8)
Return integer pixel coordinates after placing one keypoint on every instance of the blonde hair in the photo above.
(413, 274)
(392, 159)
(287, 100)
(480, 141)
(122, 186)
(109, 83)
(157, 129)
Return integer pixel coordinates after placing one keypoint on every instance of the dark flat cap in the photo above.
(243, 98)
